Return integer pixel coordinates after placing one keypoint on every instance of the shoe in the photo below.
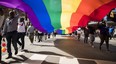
(22, 50)
(16, 52)
(9, 57)
(39, 40)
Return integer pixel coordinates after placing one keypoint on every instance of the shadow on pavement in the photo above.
(86, 62)
(80, 50)
(17, 60)
(2, 62)
(46, 53)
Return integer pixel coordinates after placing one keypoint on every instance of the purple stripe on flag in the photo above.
(19, 4)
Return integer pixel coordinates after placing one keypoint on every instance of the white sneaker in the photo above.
(22, 50)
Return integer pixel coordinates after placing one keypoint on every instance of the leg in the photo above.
(85, 38)
(48, 35)
(41, 36)
(107, 42)
(30, 37)
(91, 39)
(78, 36)
(19, 36)
(22, 40)
(45, 36)
(102, 40)
(38, 37)
(8, 38)
(0, 48)
(14, 41)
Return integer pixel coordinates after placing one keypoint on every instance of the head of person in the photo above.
(12, 14)
(103, 24)
(21, 19)
(1, 11)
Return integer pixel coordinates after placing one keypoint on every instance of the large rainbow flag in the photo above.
(62, 15)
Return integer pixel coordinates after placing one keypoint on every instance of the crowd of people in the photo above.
(104, 31)
(14, 26)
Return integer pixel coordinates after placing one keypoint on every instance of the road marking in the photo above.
(36, 58)
(65, 60)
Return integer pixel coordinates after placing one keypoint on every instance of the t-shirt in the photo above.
(79, 31)
(11, 24)
(21, 27)
(39, 32)
(31, 29)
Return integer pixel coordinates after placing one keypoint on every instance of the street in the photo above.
(63, 49)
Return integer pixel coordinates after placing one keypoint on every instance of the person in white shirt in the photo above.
(79, 32)
(21, 32)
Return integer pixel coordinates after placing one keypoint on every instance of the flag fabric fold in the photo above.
(65, 16)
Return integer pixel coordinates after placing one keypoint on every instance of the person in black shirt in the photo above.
(104, 35)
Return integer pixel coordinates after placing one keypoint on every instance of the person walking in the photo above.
(91, 35)
(31, 30)
(54, 33)
(79, 32)
(111, 31)
(45, 36)
(40, 35)
(49, 35)
(36, 34)
(104, 35)
(86, 35)
(10, 32)
(21, 33)
(1, 23)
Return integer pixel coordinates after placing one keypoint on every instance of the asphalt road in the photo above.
(63, 50)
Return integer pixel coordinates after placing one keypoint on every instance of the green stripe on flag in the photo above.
(54, 10)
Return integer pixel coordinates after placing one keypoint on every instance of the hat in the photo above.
(79, 28)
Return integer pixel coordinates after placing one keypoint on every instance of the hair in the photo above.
(11, 13)
(1, 10)
(21, 19)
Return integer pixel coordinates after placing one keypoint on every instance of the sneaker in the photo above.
(9, 57)
(16, 52)
(22, 50)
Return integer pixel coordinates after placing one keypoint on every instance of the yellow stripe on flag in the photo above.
(68, 7)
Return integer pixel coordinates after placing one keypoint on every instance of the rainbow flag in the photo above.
(62, 15)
